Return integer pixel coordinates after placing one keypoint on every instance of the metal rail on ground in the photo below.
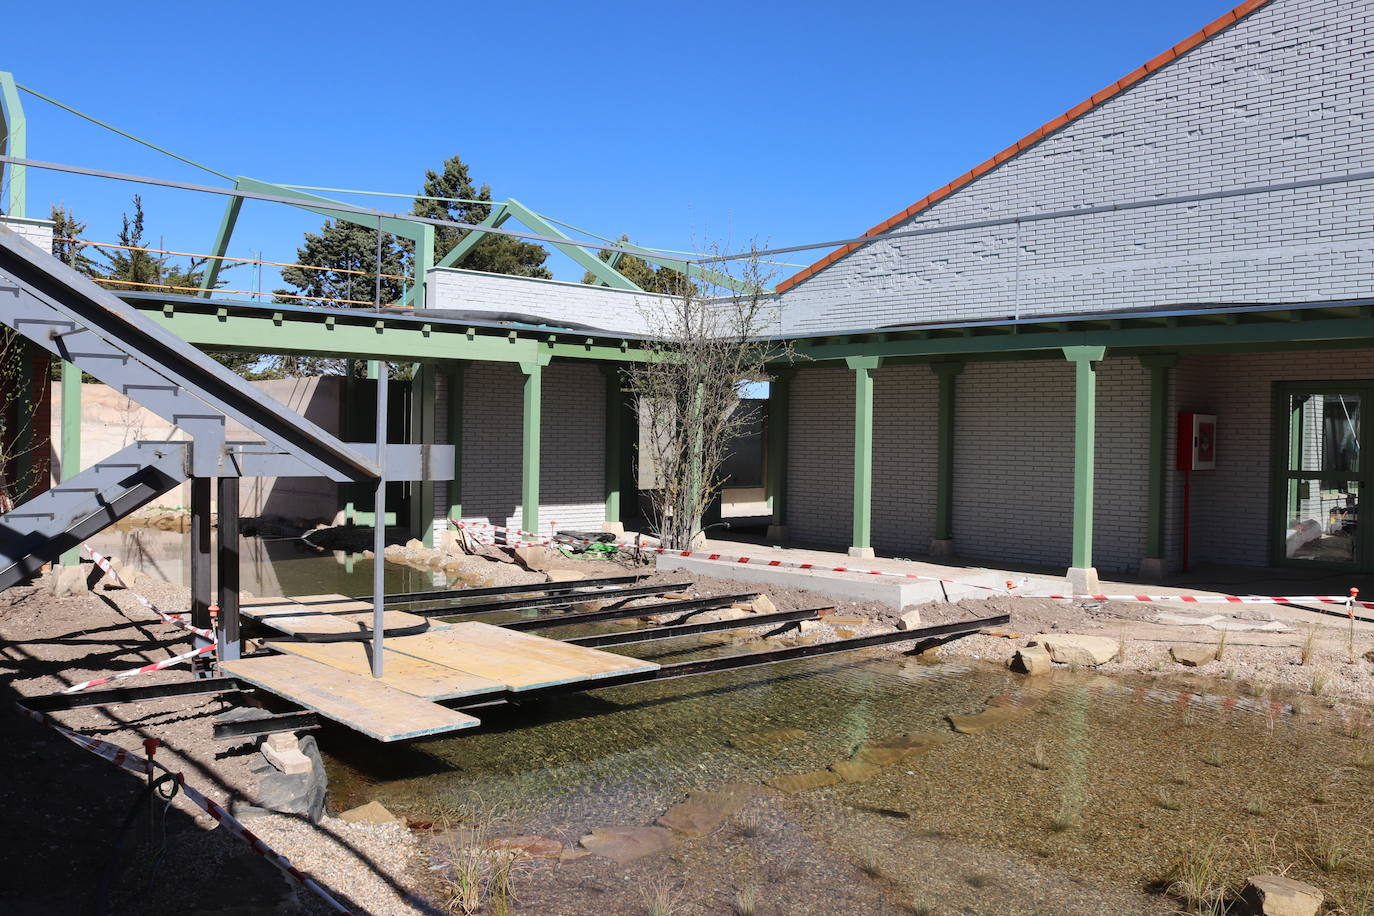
(688, 607)
(923, 636)
(548, 588)
(112, 695)
(691, 629)
(519, 604)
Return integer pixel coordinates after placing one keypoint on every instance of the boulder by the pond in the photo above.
(1279, 895)
(1032, 660)
(988, 718)
(625, 844)
(1077, 649)
(1193, 656)
(70, 581)
(855, 770)
(703, 812)
(800, 782)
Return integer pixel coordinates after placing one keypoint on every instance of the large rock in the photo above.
(625, 844)
(703, 812)
(855, 770)
(564, 575)
(70, 581)
(762, 604)
(1277, 895)
(374, 812)
(988, 718)
(725, 613)
(800, 782)
(1076, 649)
(910, 620)
(1032, 660)
(538, 847)
(1193, 656)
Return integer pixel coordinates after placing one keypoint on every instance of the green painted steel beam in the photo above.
(1084, 449)
(947, 374)
(531, 421)
(317, 204)
(455, 255)
(71, 437)
(615, 440)
(584, 258)
(361, 336)
(779, 420)
(1269, 332)
(1159, 367)
(221, 245)
(14, 140)
(863, 367)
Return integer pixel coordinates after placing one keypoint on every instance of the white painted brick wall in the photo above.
(1013, 487)
(1282, 95)
(572, 445)
(34, 231)
(600, 307)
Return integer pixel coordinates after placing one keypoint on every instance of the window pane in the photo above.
(1322, 520)
(1324, 432)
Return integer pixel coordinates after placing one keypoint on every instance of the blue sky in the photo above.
(682, 125)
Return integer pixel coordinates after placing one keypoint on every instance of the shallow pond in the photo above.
(1077, 801)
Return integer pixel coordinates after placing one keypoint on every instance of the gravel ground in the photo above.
(68, 806)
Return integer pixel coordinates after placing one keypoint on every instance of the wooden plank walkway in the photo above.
(415, 676)
(328, 617)
(519, 660)
(361, 703)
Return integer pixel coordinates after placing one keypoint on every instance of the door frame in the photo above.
(1281, 475)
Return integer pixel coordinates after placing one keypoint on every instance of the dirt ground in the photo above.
(77, 824)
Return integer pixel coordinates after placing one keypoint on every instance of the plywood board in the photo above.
(321, 626)
(404, 672)
(361, 703)
(515, 659)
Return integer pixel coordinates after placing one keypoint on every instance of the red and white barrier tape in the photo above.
(155, 666)
(704, 555)
(144, 766)
(1349, 602)
(175, 620)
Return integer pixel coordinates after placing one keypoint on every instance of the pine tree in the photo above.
(646, 276)
(65, 229)
(467, 203)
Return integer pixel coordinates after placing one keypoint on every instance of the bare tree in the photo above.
(19, 450)
(706, 347)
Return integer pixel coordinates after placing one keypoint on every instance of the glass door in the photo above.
(1321, 474)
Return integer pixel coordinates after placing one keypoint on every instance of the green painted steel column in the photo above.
(455, 436)
(14, 134)
(220, 248)
(863, 367)
(615, 441)
(424, 260)
(529, 454)
(1159, 366)
(947, 374)
(71, 437)
(422, 402)
(1084, 449)
(779, 416)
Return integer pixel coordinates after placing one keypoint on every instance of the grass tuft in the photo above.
(1221, 643)
(1197, 876)
(1039, 758)
(1255, 807)
(1318, 683)
(746, 902)
(1309, 645)
(1214, 758)
(662, 898)
(1331, 853)
(1164, 797)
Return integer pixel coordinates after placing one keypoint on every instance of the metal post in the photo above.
(529, 457)
(71, 437)
(1081, 572)
(942, 547)
(200, 554)
(1154, 564)
(863, 367)
(228, 627)
(379, 526)
(347, 427)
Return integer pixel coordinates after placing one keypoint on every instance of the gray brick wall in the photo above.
(1281, 95)
(1231, 505)
(572, 445)
(1013, 487)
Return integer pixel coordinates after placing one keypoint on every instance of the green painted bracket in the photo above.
(599, 268)
(460, 251)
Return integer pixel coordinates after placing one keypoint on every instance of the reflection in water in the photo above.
(268, 567)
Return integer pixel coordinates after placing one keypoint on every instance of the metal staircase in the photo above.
(69, 316)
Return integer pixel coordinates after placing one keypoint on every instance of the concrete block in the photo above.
(863, 553)
(896, 593)
(616, 528)
(283, 751)
(1084, 581)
